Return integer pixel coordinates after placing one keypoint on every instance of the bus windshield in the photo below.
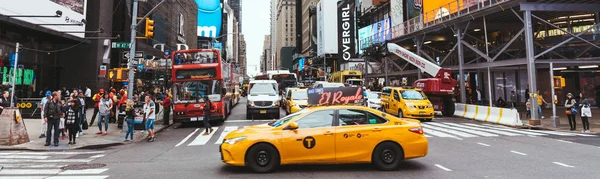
(195, 91)
(195, 57)
(285, 80)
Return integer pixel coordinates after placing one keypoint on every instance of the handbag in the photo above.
(61, 125)
(569, 112)
(85, 124)
(586, 111)
(574, 110)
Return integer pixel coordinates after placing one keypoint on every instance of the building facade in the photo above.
(242, 57)
(286, 30)
(267, 60)
(273, 40)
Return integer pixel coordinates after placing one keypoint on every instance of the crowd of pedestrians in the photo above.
(64, 112)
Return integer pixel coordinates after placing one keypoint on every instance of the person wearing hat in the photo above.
(42, 104)
(569, 105)
(96, 99)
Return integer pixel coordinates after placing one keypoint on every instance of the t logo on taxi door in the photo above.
(309, 142)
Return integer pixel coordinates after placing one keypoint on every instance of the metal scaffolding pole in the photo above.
(461, 71)
(529, 48)
(132, 45)
(489, 71)
(554, 117)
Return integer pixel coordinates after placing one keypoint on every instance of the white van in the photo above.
(263, 98)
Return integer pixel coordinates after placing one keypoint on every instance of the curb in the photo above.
(96, 146)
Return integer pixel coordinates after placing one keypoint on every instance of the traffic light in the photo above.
(149, 28)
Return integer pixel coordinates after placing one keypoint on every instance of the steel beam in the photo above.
(555, 26)
(559, 7)
(565, 41)
(553, 52)
(509, 43)
(517, 14)
(449, 53)
(461, 71)
(531, 76)
(476, 50)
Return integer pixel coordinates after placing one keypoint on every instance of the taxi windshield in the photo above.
(287, 118)
(413, 95)
(299, 95)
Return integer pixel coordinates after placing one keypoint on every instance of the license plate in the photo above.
(196, 118)
(263, 111)
(421, 112)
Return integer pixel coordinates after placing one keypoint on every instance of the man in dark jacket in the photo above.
(207, 109)
(52, 113)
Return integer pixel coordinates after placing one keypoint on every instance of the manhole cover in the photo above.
(83, 166)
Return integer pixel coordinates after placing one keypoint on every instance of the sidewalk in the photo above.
(548, 124)
(89, 139)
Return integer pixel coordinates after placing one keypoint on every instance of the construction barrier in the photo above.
(496, 115)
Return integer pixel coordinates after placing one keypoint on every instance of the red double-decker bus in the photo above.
(197, 73)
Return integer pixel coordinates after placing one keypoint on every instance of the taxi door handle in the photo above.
(298, 139)
(328, 133)
(376, 129)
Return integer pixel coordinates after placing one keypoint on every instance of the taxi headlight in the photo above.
(410, 105)
(234, 140)
(430, 106)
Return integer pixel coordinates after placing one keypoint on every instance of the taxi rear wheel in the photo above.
(387, 156)
(400, 113)
(262, 158)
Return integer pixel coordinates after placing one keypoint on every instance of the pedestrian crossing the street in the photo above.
(457, 131)
(51, 165)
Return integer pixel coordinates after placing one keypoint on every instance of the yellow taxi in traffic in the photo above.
(336, 134)
(407, 102)
(295, 100)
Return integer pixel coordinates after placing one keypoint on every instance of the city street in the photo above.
(458, 148)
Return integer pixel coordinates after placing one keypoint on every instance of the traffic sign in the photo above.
(120, 45)
(126, 55)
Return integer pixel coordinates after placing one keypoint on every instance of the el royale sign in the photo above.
(332, 96)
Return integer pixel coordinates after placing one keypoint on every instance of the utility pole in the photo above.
(132, 45)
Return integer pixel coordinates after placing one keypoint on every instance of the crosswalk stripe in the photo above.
(225, 131)
(83, 172)
(48, 153)
(29, 165)
(458, 133)
(438, 133)
(562, 133)
(187, 137)
(22, 157)
(44, 161)
(485, 134)
(483, 129)
(29, 171)
(203, 139)
(507, 129)
(78, 177)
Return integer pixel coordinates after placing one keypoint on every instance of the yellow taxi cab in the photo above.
(407, 102)
(337, 134)
(295, 100)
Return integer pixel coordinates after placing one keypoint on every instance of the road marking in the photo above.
(97, 156)
(442, 167)
(23, 157)
(485, 134)
(187, 137)
(551, 132)
(83, 172)
(261, 120)
(569, 142)
(458, 133)
(520, 153)
(203, 139)
(49, 153)
(426, 135)
(506, 129)
(487, 145)
(439, 134)
(22, 165)
(78, 177)
(44, 161)
(29, 171)
(224, 133)
(483, 129)
(564, 165)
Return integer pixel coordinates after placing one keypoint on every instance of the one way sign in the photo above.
(126, 55)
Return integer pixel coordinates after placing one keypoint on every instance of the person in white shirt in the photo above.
(88, 96)
(44, 126)
(479, 101)
(149, 114)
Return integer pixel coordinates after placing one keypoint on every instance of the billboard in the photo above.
(437, 9)
(327, 34)
(346, 37)
(414, 8)
(397, 15)
(209, 18)
(73, 12)
(364, 35)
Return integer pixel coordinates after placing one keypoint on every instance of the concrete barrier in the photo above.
(496, 115)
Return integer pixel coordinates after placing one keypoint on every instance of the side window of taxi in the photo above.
(316, 119)
(348, 117)
(396, 96)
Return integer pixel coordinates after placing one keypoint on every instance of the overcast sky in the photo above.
(255, 25)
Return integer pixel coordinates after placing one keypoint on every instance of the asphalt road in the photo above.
(458, 148)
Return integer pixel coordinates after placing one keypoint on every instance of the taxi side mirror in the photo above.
(293, 126)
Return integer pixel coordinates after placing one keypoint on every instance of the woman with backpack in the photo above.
(586, 112)
(569, 106)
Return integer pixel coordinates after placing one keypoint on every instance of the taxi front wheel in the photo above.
(262, 158)
(387, 156)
